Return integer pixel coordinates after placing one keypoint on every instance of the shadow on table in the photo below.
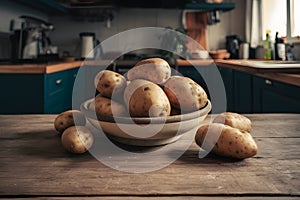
(192, 156)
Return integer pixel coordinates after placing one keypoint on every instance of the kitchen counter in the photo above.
(286, 75)
(290, 75)
(261, 66)
(34, 165)
(47, 68)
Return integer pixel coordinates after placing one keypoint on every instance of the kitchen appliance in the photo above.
(30, 40)
(90, 48)
(232, 45)
(244, 50)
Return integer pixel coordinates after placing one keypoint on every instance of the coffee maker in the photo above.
(232, 45)
(30, 41)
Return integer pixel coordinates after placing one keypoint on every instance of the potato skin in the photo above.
(185, 94)
(232, 142)
(66, 119)
(234, 120)
(146, 99)
(155, 70)
(103, 107)
(108, 82)
(77, 139)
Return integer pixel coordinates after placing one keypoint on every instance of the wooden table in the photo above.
(34, 164)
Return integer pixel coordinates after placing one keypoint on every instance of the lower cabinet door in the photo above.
(272, 96)
(58, 91)
(242, 92)
(228, 80)
(21, 93)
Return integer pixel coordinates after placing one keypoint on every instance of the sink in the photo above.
(273, 64)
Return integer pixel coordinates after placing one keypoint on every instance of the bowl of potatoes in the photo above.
(148, 106)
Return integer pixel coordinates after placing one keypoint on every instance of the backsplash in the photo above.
(4, 46)
(66, 33)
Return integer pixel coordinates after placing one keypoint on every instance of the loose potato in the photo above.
(110, 83)
(69, 118)
(234, 120)
(185, 94)
(155, 70)
(107, 107)
(232, 142)
(77, 139)
(144, 98)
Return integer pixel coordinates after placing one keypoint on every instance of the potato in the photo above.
(185, 94)
(234, 120)
(144, 98)
(155, 70)
(77, 139)
(232, 142)
(107, 107)
(110, 83)
(66, 119)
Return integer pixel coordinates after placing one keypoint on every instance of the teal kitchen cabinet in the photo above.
(37, 93)
(238, 86)
(242, 92)
(272, 96)
(248, 93)
(58, 90)
(228, 79)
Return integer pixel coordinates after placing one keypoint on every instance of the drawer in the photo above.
(58, 91)
(56, 83)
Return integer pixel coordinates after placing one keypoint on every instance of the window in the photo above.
(295, 18)
(281, 16)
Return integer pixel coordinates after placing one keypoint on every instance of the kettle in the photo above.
(232, 45)
(89, 48)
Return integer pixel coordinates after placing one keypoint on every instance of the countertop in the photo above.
(47, 68)
(35, 165)
(286, 75)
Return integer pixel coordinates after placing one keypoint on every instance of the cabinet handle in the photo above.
(58, 81)
(268, 82)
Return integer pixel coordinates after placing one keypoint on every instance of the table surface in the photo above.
(34, 164)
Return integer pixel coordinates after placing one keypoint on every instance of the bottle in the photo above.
(279, 48)
(267, 46)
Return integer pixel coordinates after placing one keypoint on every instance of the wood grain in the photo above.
(182, 63)
(48, 68)
(34, 164)
(236, 197)
(241, 65)
(289, 76)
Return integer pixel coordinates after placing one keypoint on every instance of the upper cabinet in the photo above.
(67, 6)
(210, 7)
(47, 6)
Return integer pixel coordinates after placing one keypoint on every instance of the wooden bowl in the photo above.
(126, 129)
(219, 54)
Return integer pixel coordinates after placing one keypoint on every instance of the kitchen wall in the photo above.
(232, 23)
(66, 34)
(10, 10)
